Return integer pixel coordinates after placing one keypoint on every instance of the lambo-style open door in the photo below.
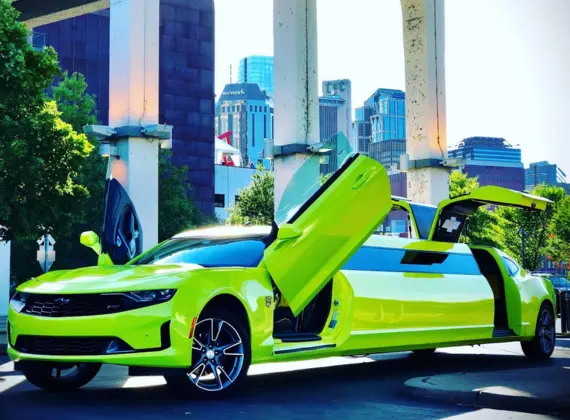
(323, 231)
(452, 214)
(122, 232)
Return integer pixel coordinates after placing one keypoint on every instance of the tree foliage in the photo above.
(40, 155)
(255, 204)
(536, 226)
(176, 211)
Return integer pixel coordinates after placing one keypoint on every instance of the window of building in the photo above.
(265, 127)
(255, 108)
(252, 130)
(219, 200)
(236, 198)
(265, 109)
(251, 108)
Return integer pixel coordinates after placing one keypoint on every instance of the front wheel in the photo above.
(62, 377)
(221, 355)
(542, 345)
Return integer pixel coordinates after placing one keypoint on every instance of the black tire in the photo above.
(225, 361)
(542, 345)
(69, 378)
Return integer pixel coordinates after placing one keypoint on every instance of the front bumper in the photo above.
(155, 336)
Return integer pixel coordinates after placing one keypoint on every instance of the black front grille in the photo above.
(73, 305)
(68, 346)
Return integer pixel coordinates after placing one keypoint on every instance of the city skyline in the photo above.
(504, 75)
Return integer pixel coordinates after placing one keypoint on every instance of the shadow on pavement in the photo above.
(355, 383)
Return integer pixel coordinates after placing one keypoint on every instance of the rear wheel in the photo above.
(542, 345)
(61, 377)
(221, 355)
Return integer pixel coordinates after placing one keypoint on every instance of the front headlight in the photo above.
(18, 302)
(152, 296)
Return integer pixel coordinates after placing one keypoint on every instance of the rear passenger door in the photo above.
(416, 292)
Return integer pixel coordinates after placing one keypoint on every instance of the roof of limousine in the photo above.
(225, 232)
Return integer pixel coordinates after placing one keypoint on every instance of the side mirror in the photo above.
(288, 231)
(91, 240)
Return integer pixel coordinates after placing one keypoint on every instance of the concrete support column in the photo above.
(133, 101)
(296, 84)
(424, 45)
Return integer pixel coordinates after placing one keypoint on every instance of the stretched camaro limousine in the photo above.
(203, 306)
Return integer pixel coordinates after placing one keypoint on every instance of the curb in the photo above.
(420, 387)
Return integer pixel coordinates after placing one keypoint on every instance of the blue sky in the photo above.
(507, 62)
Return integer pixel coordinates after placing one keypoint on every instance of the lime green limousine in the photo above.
(327, 279)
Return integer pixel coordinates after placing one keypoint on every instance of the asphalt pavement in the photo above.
(363, 388)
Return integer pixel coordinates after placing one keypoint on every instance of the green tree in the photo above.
(77, 107)
(176, 211)
(40, 155)
(255, 204)
(536, 225)
(482, 227)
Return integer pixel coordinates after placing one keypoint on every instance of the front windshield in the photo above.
(243, 252)
(326, 159)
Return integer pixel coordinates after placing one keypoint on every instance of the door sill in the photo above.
(305, 348)
(297, 337)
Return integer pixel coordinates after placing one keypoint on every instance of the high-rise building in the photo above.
(362, 129)
(492, 160)
(186, 78)
(335, 119)
(379, 130)
(258, 69)
(543, 173)
(340, 89)
(247, 112)
(382, 118)
(388, 116)
(388, 153)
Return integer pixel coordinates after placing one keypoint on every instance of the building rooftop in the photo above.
(242, 91)
(481, 141)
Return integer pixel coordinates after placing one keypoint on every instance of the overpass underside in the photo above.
(42, 12)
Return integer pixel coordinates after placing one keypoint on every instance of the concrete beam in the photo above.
(42, 12)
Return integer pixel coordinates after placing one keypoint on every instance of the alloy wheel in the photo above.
(546, 333)
(218, 355)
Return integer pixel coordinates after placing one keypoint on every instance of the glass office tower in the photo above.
(257, 69)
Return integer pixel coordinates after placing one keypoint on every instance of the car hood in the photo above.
(115, 278)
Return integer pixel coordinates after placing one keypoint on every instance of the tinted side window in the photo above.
(512, 267)
(369, 258)
(424, 216)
